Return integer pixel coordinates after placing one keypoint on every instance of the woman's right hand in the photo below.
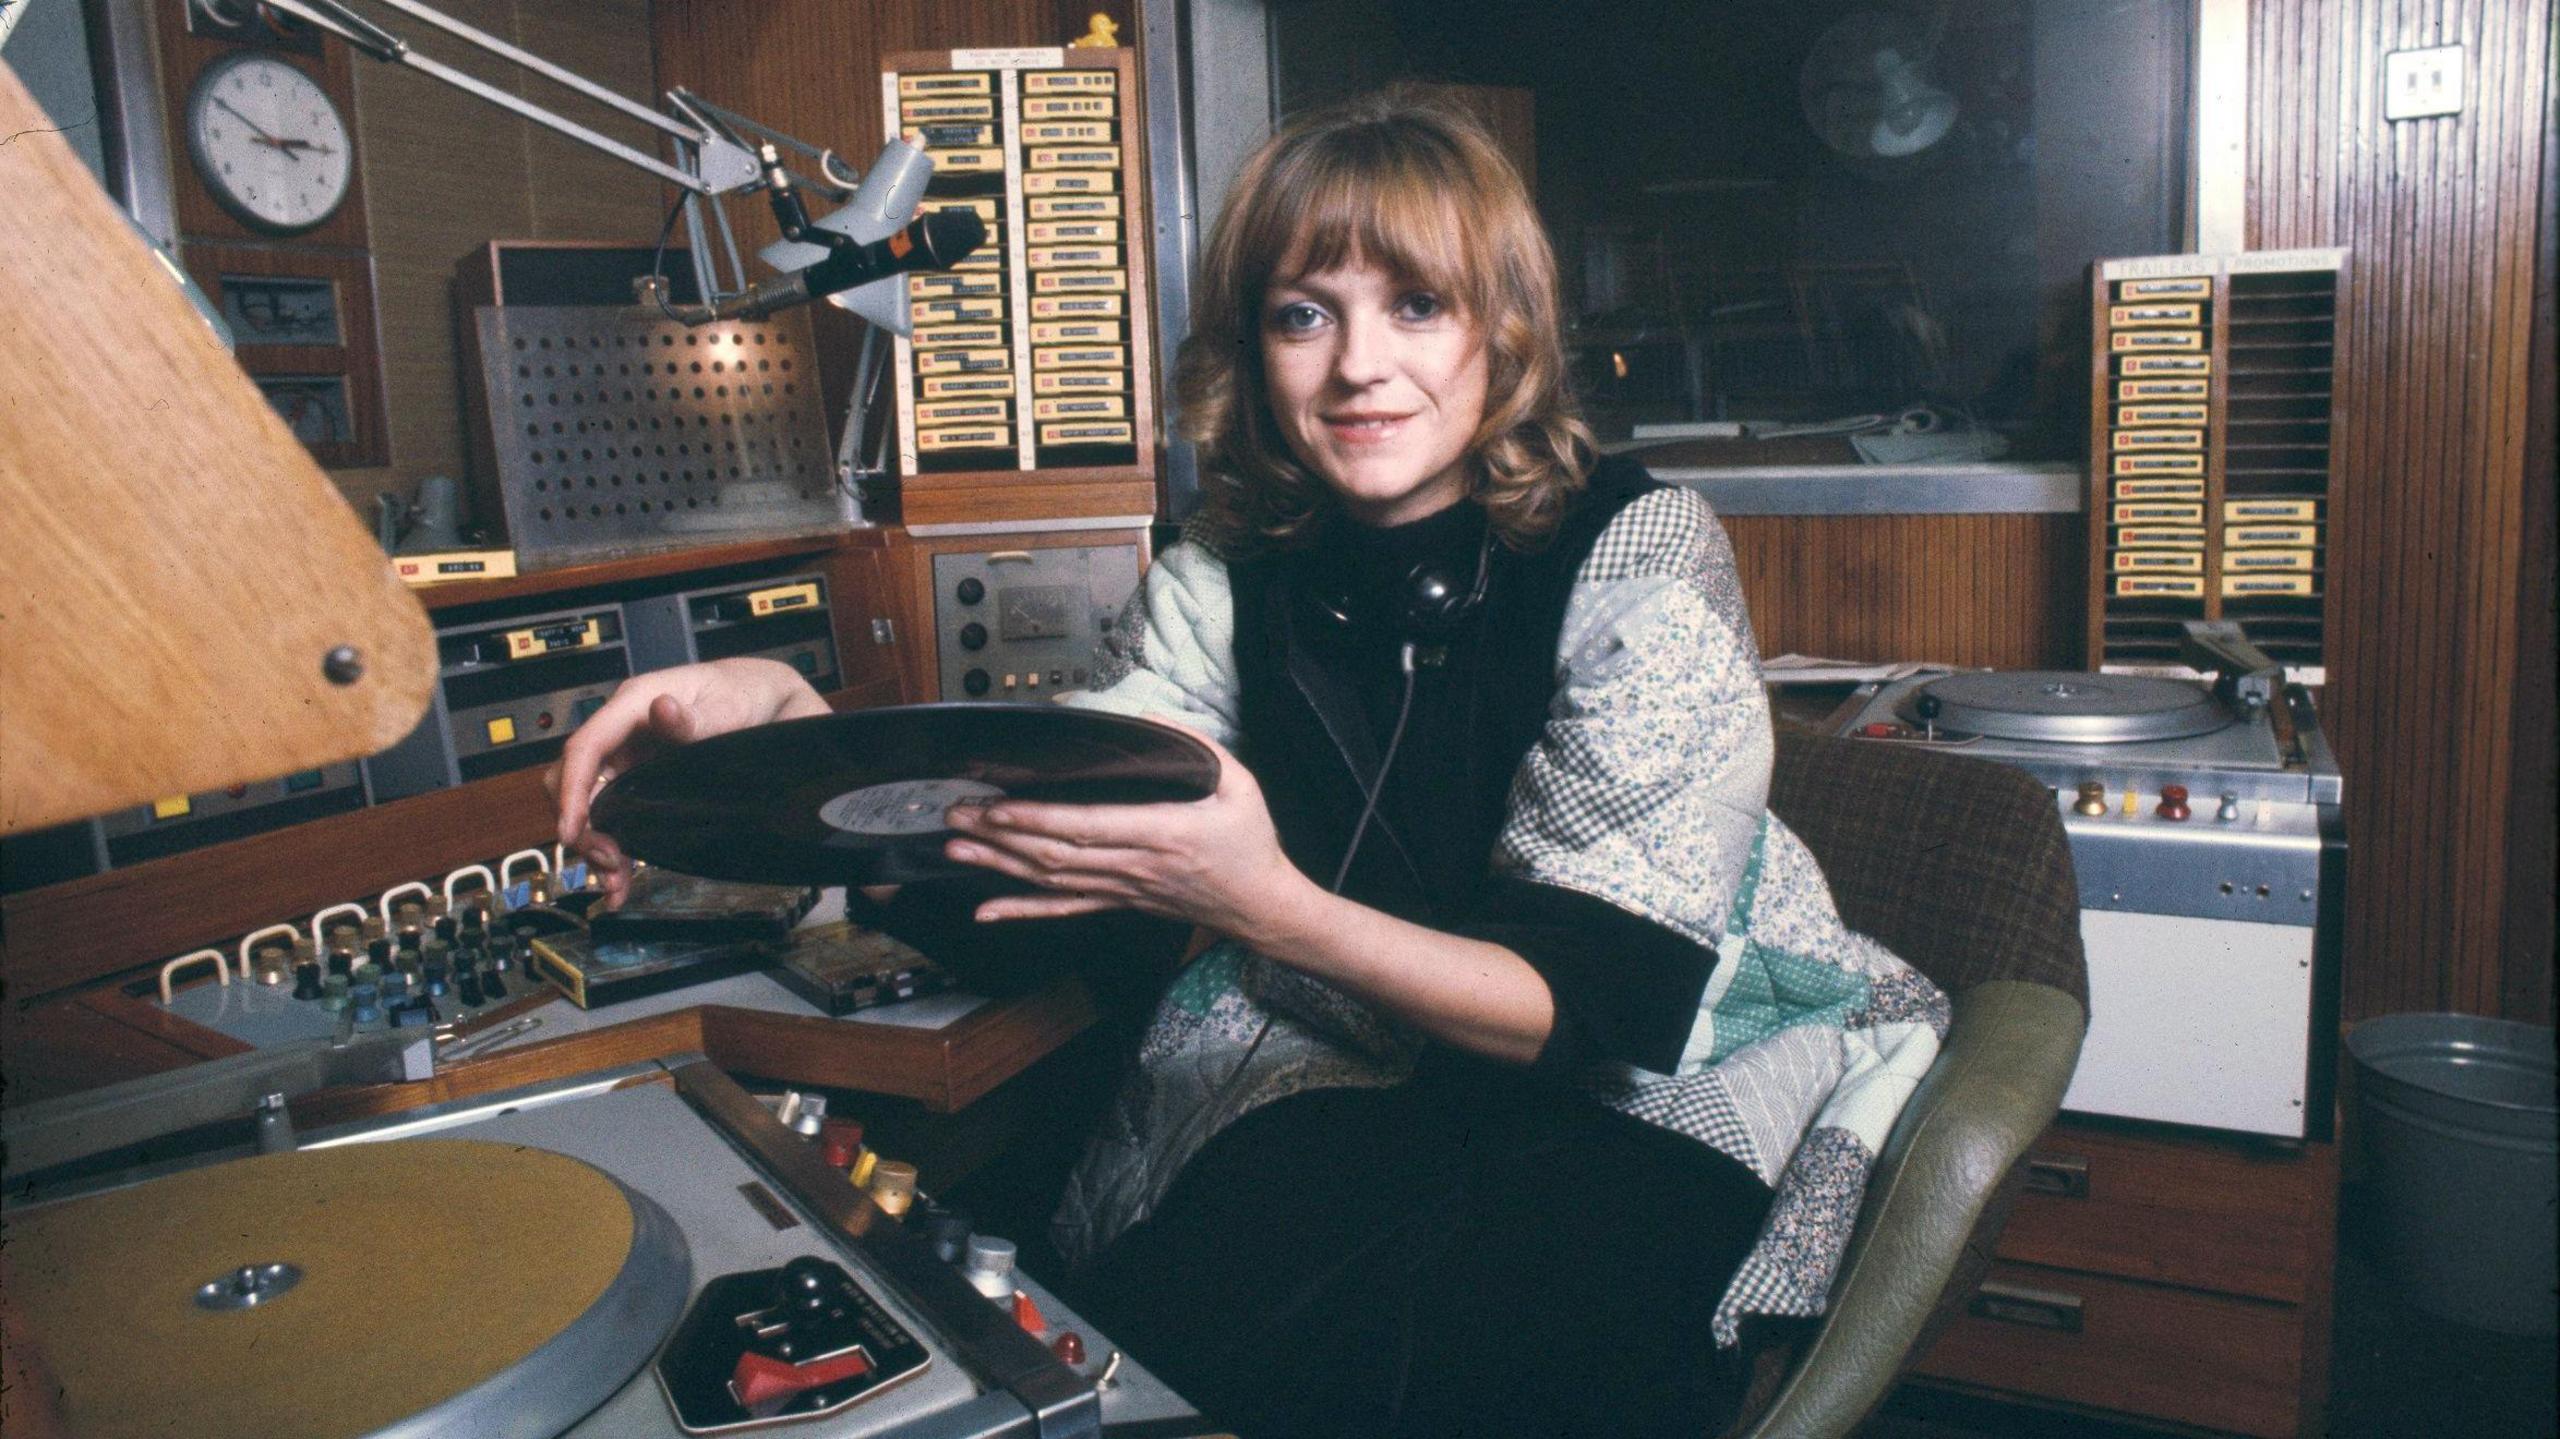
(654, 712)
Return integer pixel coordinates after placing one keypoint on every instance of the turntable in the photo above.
(2205, 826)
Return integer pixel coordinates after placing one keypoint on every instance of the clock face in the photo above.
(269, 143)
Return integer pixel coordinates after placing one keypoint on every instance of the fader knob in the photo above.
(2092, 801)
(306, 981)
(2228, 812)
(989, 1266)
(2173, 802)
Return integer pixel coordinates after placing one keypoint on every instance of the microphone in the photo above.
(937, 242)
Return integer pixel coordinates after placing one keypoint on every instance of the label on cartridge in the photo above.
(974, 437)
(1076, 157)
(1077, 382)
(911, 85)
(951, 134)
(934, 337)
(926, 112)
(1087, 432)
(1080, 407)
(962, 362)
(941, 310)
(2194, 287)
(2160, 537)
(2163, 389)
(2158, 440)
(2173, 586)
(985, 207)
(2254, 509)
(2254, 584)
(2156, 340)
(985, 257)
(2165, 365)
(2159, 489)
(965, 412)
(2121, 316)
(1079, 357)
(952, 387)
(2267, 559)
(1065, 207)
(2237, 536)
(2161, 414)
(1075, 257)
(1050, 282)
(782, 597)
(2158, 512)
(1070, 107)
(1071, 182)
(1075, 232)
(2159, 465)
(1068, 132)
(1071, 332)
(1064, 82)
(944, 285)
(984, 160)
(2177, 561)
(1060, 307)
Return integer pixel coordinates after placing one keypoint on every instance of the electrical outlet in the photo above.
(2420, 83)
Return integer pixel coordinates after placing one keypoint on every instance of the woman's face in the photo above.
(1378, 388)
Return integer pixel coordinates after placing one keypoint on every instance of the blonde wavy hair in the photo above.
(1414, 186)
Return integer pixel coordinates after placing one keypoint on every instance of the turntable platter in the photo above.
(2066, 706)
(438, 1287)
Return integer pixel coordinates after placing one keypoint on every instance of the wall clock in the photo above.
(270, 145)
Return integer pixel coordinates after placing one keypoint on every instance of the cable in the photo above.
(658, 259)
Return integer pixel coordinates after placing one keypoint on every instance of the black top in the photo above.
(1319, 629)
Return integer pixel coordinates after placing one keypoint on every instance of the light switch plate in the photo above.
(2420, 83)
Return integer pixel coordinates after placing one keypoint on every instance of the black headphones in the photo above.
(1430, 609)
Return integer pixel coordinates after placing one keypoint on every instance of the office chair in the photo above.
(1961, 867)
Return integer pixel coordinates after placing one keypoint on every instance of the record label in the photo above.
(911, 806)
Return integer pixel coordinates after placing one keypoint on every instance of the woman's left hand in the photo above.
(1214, 862)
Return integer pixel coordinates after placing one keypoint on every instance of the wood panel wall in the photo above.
(2440, 568)
(1995, 590)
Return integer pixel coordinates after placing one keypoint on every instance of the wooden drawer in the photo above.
(2209, 1214)
(2209, 1360)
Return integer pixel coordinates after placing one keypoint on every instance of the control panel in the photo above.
(508, 692)
(778, 619)
(1025, 624)
(178, 823)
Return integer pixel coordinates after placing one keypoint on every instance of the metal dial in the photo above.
(271, 145)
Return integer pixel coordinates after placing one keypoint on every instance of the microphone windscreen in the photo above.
(949, 235)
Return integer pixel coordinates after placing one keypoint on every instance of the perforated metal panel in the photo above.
(619, 429)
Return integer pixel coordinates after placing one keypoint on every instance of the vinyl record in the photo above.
(859, 798)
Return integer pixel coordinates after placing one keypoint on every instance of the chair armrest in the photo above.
(1997, 1084)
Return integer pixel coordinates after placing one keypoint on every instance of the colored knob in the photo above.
(2092, 801)
(433, 976)
(2173, 802)
(1027, 1314)
(988, 1266)
(2229, 810)
(973, 636)
(1068, 1346)
(306, 981)
(972, 590)
(976, 683)
(333, 993)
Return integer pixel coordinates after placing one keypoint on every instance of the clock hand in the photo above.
(265, 135)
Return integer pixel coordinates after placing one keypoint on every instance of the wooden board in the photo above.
(175, 568)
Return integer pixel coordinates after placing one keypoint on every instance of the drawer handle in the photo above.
(2034, 1308)
(2064, 1176)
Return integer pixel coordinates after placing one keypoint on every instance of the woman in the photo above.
(1533, 1058)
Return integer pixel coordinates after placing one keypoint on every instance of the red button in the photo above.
(760, 1379)
(1068, 1346)
(1878, 730)
(1027, 1314)
(542, 720)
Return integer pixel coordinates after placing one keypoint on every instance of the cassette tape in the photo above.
(2190, 287)
(1057, 282)
(2124, 340)
(2241, 586)
(2257, 509)
(1075, 232)
(2121, 316)
(970, 437)
(1072, 207)
(2157, 440)
(2164, 389)
(1080, 407)
(1070, 107)
(952, 134)
(1062, 307)
(1088, 432)
(2158, 465)
(2161, 414)
(1069, 132)
(952, 387)
(972, 160)
(947, 309)
(2157, 512)
(937, 110)
(1075, 332)
(2252, 536)
(939, 337)
(2174, 561)
(944, 285)
(912, 86)
(1079, 382)
(962, 362)
(2182, 587)
(965, 412)
(1074, 257)
(2165, 365)
(1079, 357)
(2159, 489)
(1076, 157)
(1070, 82)
(2257, 560)
(1071, 182)
(2160, 537)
